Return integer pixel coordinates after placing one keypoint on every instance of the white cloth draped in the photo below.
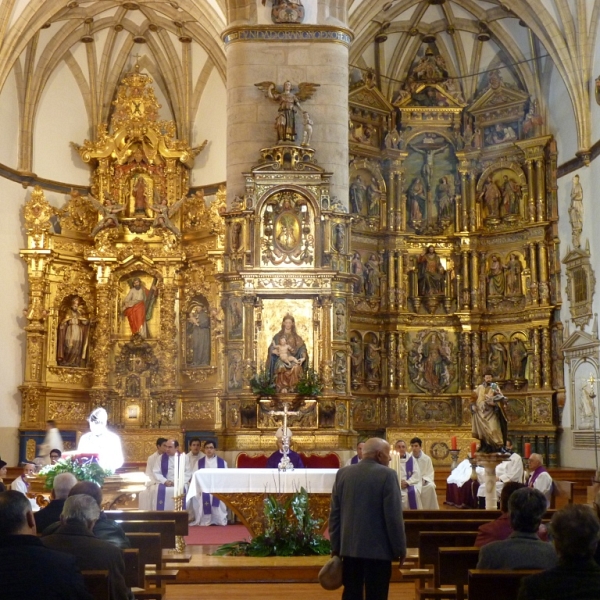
(107, 446)
(428, 491)
(509, 470)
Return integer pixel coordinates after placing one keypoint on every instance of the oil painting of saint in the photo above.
(138, 304)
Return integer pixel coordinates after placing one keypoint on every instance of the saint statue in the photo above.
(289, 105)
(489, 424)
(140, 199)
(491, 195)
(288, 357)
(430, 273)
(518, 359)
(198, 336)
(73, 331)
(496, 280)
(443, 199)
(358, 269)
(372, 276)
(138, 304)
(513, 276)
(100, 441)
(576, 211)
(416, 200)
(358, 192)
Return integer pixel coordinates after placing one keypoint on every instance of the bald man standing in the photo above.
(365, 523)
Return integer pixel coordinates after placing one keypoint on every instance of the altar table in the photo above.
(244, 490)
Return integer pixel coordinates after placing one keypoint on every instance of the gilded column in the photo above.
(466, 294)
(401, 288)
(472, 196)
(465, 340)
(474, 280)
(540, 189)
(326, 358)
(391, 269)
(391, 201)
(535, 342)
(476, 360)
(400, 362)
(546, 359)
(399, 224)
(533, 286)
(168, 327)
(544, 286)
(391, 363)
(530, 191)
(464, 202)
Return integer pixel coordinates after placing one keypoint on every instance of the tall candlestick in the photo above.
(527, 449)
(473, 448)
(453, 444)
(182, 479)
(175, 474)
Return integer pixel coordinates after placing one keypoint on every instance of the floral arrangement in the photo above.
(283, 536)
(84, 468)
(310, 384)
(262, 384)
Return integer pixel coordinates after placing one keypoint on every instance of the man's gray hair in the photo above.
(80, 508)
(62, 485)
(373, 446)
(538, 456)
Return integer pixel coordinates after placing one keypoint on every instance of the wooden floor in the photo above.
(272, 591)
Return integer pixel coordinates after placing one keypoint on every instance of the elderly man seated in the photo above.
(21, 484)
(410, 478)
(523, 549)
(75, 536)
(61, 486)
(275, 458)
(540, 479)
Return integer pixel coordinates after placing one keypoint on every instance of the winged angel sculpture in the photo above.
(289, 105)
(164, 214)
(109, 212)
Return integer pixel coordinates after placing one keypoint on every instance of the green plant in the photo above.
(310, 384)
(262, 384)
(283, 536)
(83, 471)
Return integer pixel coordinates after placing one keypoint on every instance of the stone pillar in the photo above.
(320, 57)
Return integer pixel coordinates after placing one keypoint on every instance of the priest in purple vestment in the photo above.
(275, 458)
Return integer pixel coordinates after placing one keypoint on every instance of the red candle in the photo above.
(453, 445)
(527, 449)
(473, 448)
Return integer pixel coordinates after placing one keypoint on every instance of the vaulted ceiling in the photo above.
(178, 42)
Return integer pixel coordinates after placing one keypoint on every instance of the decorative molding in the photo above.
(287, 33)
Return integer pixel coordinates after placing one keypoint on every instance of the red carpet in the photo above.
(216, 535)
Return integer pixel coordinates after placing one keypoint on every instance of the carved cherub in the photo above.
(109, 213)
(289, 105)
(164, 214)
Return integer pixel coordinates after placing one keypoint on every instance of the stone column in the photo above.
(304, 53)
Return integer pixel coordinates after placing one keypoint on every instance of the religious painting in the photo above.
(432, 184)
(234, 312)
(286, 340)
(72, 347)
(339, 319)
(432, 361)
(198, 338)
(501, 133)
(141, 194)
(434, 411)
(139, 296)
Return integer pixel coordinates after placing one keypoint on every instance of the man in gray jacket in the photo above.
(523, 549)
(365, 523)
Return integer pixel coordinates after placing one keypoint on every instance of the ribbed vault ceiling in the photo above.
(179, 43)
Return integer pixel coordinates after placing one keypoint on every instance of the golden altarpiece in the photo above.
(162, 309)
(455, 248)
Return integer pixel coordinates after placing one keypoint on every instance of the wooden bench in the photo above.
(96, 583)
(149, 547)
(451, 573)
(460, 514)
(165, 528)
(414, 528)
(486, 584)
(180, 517)
(133, 569)
(431, 541)
(562, 493)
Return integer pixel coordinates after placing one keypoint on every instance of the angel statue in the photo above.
(164, 214)
(109, 214)
(289, 105)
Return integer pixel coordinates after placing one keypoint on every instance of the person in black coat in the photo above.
(575, 530)
(60, 490)
(27, 568)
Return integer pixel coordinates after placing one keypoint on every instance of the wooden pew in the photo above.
(165, 528)
(431, 541)
(133, 569)
(462, 514)
(180, 517)
(451, 573)
(414, 528)
(96, 583)
(149, 549)
(487, 584)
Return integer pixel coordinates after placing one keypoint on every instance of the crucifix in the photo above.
(285, 464)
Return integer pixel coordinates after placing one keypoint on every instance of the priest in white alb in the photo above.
(194, 455)
(159, 494)
(428, 491)
(409, 476)
(102, 442)
(161, 448)
(212, 511)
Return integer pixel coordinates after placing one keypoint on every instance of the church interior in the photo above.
(353, 208)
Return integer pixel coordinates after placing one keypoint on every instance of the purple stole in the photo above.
(410, 490)
(536, 474)
(162, 488)
(354, 460)
(207, 503)
(24, 480)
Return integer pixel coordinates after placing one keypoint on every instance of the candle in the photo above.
(182, 479)
(175, 475)
(453, 445)
(527, 449)
(473, 448)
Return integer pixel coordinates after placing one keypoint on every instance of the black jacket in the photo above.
(49, 514)
(105, 529)
(29, 570)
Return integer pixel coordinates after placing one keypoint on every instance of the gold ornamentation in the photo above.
(200, 374)
(71, 374)
(77, 214)
(30, 449)
(37, 213)
(198, 411)
(70, 412)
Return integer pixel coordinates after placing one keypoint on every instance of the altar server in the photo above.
(159, 495)
(161, 448)
(194, 455)
(428, 492)
(213, 511)
(410, 478)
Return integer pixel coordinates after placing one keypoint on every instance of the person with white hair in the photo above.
(21, 484)
(75, 536)
(275, 458)
(61, 486)
(540, 479)
(100, 441)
